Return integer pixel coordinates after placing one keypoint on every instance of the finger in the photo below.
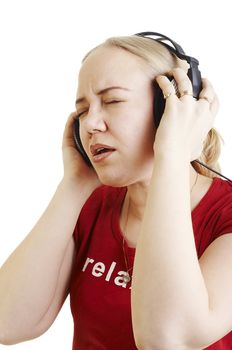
(166, 86)
(208, 96)
(68, 131)
(215, 105)
(207, 93)
(184, 84)
(70, 121)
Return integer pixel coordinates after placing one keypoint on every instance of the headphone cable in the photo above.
(216, 172)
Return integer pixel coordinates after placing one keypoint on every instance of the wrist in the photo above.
(172, 163)
(172, 154)
(169, 168)
(76, 187)
(79, 186)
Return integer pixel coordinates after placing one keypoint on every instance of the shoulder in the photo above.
(221, 187)
(212, 217)
(220, 207)
(216, 261)
(222, 196)
(224, 207)
(217, 195)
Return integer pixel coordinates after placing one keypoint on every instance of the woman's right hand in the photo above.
(75, 167)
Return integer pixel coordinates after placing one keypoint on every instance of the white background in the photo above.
(41, 45)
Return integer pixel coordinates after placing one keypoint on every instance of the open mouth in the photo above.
(102, 153)
(103, 150)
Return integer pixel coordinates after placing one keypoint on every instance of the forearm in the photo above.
(28, 278)
(169, 296)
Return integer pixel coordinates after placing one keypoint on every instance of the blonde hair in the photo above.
(161, 61)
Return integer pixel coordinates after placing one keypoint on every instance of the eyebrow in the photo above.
(82, 99)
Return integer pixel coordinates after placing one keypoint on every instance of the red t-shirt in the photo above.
(100, 300)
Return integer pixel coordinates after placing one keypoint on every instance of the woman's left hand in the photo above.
(186, 121)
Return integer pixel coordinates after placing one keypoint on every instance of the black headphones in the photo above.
(159, 102)
(193, 72)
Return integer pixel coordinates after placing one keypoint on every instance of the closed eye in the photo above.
(113, 101)
(106, 102)
(80, 114)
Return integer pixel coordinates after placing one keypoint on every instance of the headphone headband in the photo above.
(160, 37)
(193, 72)
(177, 49)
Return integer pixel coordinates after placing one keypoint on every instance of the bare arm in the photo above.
(175, 301)
(171, 297)
(29, 278)
(34, 281)
(186, 302)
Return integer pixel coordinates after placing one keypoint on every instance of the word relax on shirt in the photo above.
(99, 269)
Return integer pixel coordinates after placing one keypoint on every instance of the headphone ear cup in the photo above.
(77, 139)
(158, 105)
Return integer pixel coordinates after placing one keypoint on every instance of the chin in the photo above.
(117, 180)
(123, 175)
(113, 179)
(113, 182)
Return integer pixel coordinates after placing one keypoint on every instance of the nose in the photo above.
(94, 121)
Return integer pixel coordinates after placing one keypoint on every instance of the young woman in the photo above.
(143, 208)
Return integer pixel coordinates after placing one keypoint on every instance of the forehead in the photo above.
(107, 66)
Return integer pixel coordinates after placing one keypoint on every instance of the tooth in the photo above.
(100, 149)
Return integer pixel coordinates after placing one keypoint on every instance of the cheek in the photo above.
(142, 129)
(138, 140)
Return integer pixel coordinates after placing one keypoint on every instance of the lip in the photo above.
(95, 146)
(101, 156)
